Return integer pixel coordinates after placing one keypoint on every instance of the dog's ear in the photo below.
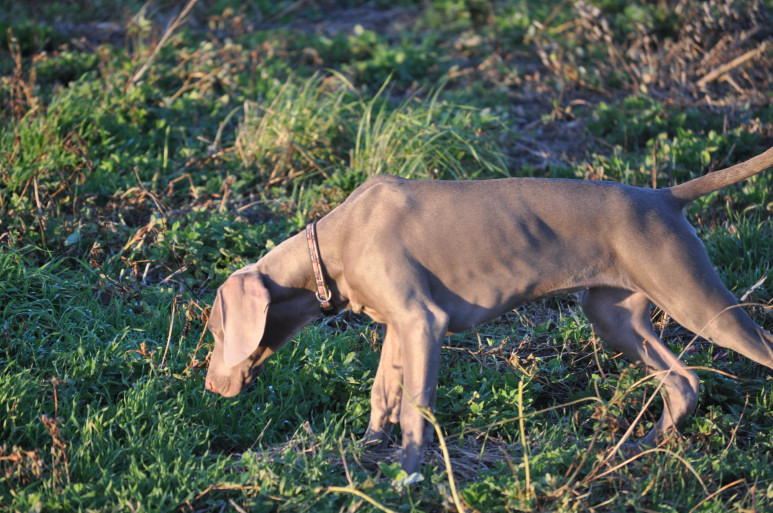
(240, 312)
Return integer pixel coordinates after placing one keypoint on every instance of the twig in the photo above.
(666, 373)
(236, 506)
(343, 460)
(175, 273)
(55, 382)
(361, 495)
(718, 72)
(595, 350)
(53, 429)
(195, 362)
(37, 196)
(159, 206)
(735, 429)
(594, 474)
(226, 188)
(711, 496)
(753, 288)
(172, 27)
(427, 414)
(169, 337)
(286, 11)
(524, 445)
(656, 449)
(532, 414)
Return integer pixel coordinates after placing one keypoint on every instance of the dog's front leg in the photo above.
(387, 393)
(420, 332)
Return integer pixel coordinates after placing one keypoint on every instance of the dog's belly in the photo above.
(483, 302)
(504, 276)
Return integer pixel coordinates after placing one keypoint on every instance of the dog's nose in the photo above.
(209, 385)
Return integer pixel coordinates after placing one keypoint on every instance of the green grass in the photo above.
(125, 201)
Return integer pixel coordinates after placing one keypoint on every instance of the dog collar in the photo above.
(324, 295)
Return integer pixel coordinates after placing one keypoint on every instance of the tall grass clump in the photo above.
(425, 140)
(292, 136)
(321, 126)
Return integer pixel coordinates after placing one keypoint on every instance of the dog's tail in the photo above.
(711, 182)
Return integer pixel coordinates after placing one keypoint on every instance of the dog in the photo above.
(429, 258)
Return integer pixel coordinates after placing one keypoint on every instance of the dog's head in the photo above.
(238, 321)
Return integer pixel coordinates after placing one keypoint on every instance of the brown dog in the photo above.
(431, 257)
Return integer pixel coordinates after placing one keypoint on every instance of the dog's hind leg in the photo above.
(714, 314)
(677, 275)
(622, 319)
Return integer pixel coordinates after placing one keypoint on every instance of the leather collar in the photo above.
(324, 295)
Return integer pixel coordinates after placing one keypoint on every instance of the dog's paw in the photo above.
(631, 449)
(375, 440)
(653, 439)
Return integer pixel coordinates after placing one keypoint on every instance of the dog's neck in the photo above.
(287, 268)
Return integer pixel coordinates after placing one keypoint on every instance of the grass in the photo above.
(143, 161)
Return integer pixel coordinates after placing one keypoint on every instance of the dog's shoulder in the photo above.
(378, 181)
(379, 186)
